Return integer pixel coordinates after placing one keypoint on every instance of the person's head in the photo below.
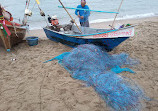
(83, 3)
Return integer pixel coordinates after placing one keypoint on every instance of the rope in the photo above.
(28, 3)
(42, 14)
(14, 28)
(34, 6)
(25, 16)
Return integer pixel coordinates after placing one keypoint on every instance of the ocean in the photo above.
(131, 9)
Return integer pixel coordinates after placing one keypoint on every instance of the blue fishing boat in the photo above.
(108, 38)
(72, 35)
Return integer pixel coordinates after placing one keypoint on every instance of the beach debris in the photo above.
(136, 33)
(99, 70)
(13, 59)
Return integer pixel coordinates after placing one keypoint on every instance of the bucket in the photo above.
(32, 41)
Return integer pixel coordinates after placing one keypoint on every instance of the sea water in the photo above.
(130, 9)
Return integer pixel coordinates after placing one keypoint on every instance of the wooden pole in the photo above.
(116, 14)
(4, 32)
(28, 4)
(25, 16)
(70, 16)
(88, 10)
(42, 14)
(6, 41)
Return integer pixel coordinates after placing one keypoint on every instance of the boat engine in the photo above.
(68, 27)
(49, 19)
(54, 23)
(54, 20)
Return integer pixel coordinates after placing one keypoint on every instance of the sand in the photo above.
(27, 84)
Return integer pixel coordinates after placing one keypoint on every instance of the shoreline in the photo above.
(125, 21)
(131, 19)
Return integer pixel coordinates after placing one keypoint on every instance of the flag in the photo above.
(38, 2)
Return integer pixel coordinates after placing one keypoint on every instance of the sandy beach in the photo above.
(27, 84)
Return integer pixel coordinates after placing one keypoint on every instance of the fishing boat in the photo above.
(15, 37)
(12, 33)
(108, 38)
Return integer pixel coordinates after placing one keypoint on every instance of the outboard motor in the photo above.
(68, 27)
(54, 20)
(49, 19)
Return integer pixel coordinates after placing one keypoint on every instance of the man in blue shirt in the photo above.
(83, 14)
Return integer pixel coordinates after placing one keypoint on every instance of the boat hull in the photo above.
(107, 43)
(15, 39)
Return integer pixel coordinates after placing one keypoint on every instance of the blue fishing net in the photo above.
(120, 93)
(99, 69)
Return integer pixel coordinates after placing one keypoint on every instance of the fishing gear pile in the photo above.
(99, 69)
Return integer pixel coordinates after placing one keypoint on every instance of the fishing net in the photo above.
(99, 69)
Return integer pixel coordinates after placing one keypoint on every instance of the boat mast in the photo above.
(88, 10)
(41, 12)
(24, 22)
(116, 14)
